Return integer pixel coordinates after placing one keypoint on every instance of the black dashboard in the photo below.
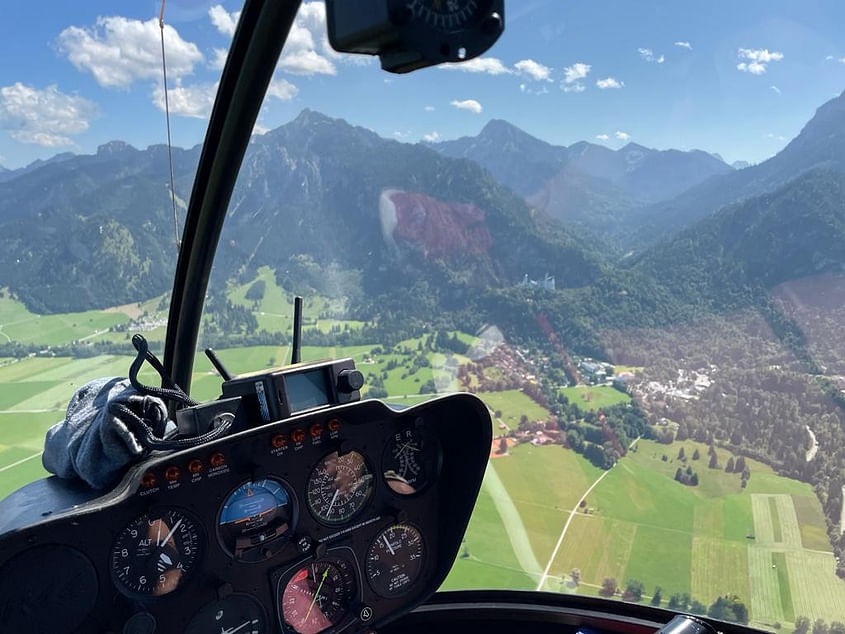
(340, 519)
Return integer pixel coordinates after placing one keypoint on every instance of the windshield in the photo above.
(621, 228)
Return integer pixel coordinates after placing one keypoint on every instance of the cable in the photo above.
(167, 118)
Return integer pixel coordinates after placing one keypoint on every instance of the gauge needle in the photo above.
(233, 630)
(387, 543)
(317, 594)
(331, 504)
(172, 530)
(158, 535)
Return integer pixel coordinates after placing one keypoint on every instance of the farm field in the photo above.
(594, 398)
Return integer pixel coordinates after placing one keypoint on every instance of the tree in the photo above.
(679, 476)
(609, 587)
(679, 602)
(820, 627)
(837, 628)
(802, 625)
(714, 461)
(696, 454)
(633, 590)
(681, 454)
(503, 445)
(694, 480)
(575, 573)
(697, 607)
(657, 597)
(740, 465)
(730, 466)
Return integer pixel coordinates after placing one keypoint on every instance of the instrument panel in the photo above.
(336, 520)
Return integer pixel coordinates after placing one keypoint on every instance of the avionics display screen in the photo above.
(307, 390)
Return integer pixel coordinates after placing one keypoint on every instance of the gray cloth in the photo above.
(91, 443)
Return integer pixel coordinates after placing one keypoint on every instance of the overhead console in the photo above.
(337, 519)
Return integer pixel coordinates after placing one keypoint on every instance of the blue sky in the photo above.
(737, 78)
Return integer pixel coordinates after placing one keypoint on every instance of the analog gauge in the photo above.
(409, 459)
(154, 553)
(448, 15)
(236, 613)
(318, 595)
(339, 487)
(395, 559)
(254, 514)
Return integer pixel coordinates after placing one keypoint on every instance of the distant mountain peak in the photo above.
(114, 147)
(628, 147)
(308, 118)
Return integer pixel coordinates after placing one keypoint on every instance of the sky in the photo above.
(735, 78)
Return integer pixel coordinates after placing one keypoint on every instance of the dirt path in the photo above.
(814, 448)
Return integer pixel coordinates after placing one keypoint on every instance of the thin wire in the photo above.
(167, 118)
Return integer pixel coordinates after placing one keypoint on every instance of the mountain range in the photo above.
(345, 211)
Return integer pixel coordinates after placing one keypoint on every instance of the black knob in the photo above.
(349, 381)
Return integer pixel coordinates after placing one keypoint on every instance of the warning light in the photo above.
(316, 430)
(297, 435)
(149, 480)
(217, 459)
(334, 424)
(172, 473)
(195, 466)
(279, 441)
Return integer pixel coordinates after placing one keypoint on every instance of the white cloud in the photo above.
(281, 89)
(757, 60)
(609, 82)
(307, 50)
(218, 61)
(776, 137)
(488, 65)
(776, 90)
(259, 129)
(468, 104)
(648, 55)
(431, 137)
(429, 108)
(576, 87)
(577, 71)
(603, 137)
(223, 20)
(43, 117)
(685, 45)
(622, 136)
(535, 70)
(117, 51)
(187, 101)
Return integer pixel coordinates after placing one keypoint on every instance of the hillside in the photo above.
(584, 184)
(307, 199)
(821, 143)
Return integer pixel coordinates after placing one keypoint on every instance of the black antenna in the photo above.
(296, 348)
(217, 363)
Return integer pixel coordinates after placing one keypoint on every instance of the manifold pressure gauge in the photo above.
(412, 34)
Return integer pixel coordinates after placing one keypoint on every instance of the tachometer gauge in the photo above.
(318, 595)
(236, 613)
(339, 487)
(154, 554)
(395, 559)
(254, 514)
(409, 460)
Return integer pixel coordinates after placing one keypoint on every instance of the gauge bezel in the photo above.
(202, 542)
(435, 462)
(338, 553)
(281, 540)
(422, 565)
(371, 495)
(265, 622)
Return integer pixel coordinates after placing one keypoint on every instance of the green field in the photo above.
(513, 404)
(638, 523)
(594, 398)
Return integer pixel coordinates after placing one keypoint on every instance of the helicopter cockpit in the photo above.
(317, 511)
